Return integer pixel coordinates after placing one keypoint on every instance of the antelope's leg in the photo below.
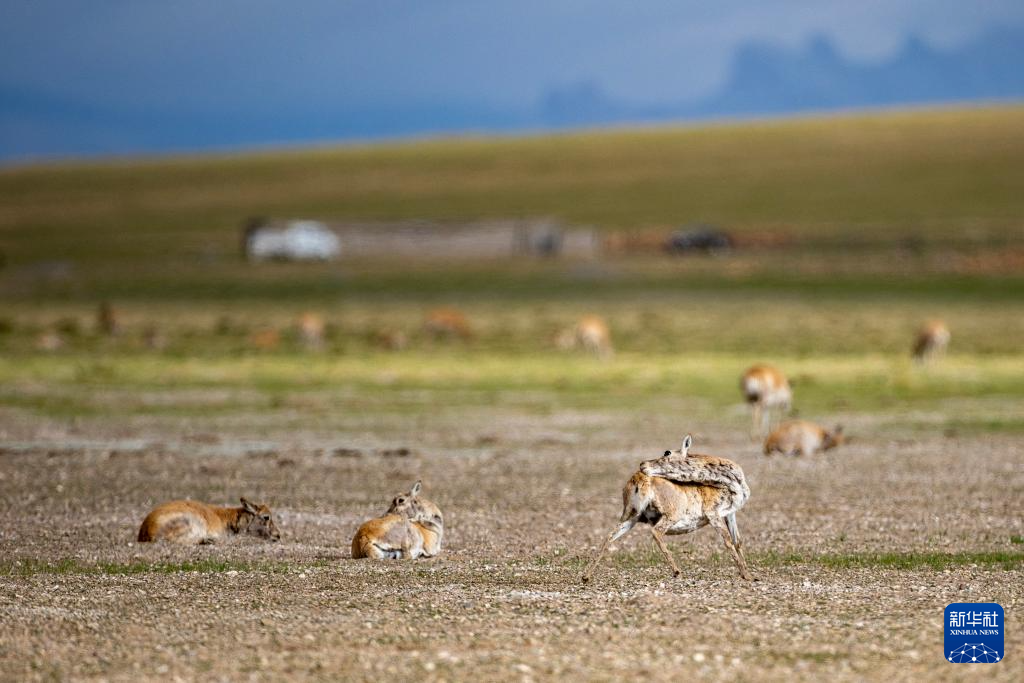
(619, 531)
(734, 531)
(755, 427)
(658, 533)
(737, 555)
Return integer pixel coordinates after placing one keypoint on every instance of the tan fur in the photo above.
(192, 522)
(412, 527)
(266, 339)
(672, 507)
(591, 334)
(800, 437)
(394, 537)
(311, 330)
(448, 323)
(932, 340)
(768, 392)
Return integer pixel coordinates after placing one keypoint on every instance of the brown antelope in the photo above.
(591, 334)
(447, 323)
(411, 528)
(767, 391)
(388, 339)
(680, 493)
(800, 437)
(191, 522)
(932, 340)
(311, 330)
(266, 339)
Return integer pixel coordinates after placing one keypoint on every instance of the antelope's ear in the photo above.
(416, 488)
(247, 506)
(687, 442)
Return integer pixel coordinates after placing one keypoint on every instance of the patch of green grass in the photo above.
(456, 379)
(1017, 540)
(642, 557)
(31, 567)
(901, 561)
(985, 425)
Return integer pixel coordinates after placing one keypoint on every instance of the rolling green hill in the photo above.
(924, 172)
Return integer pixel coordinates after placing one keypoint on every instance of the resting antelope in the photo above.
(591, 334)
(680, 493)
(411, 528)
(192, 522)
(800, 437)
(767, 391)
(931, 342)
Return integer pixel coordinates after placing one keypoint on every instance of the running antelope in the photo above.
(411, 528)
(800, 437)
(767, 391)
(591, 334)
(191, 522)
(931, 342)
(680, 493)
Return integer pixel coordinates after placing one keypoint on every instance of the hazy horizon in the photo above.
(121, 78)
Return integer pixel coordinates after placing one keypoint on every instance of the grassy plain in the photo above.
(867, 225)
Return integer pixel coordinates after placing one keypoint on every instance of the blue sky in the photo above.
(229, 57)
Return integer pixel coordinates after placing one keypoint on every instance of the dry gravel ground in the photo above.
(527, 498)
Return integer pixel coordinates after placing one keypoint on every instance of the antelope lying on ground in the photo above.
(800, 437)
(931, 342)
(192, 522)
(411, 528)
(680, 493)
(767, 391)
(591, 334)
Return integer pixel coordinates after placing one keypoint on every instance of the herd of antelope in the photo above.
(677, 493)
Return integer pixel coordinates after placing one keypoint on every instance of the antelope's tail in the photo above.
(636, 496)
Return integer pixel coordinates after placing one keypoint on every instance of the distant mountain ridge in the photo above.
(766, 79)
(763, 80)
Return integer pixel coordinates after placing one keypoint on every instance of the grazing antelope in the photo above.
(389, 340)
(591, 334)
(447, 323)
(680, 493)
(266, 339)
(932, 340)
(191, 522)
(411, 528)
(311, 330)
(800, 437)
(767, 391)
